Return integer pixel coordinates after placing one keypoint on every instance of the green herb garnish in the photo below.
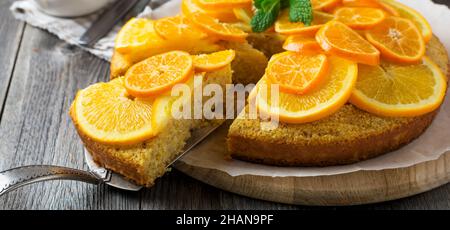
(267, 12)
(301, 11)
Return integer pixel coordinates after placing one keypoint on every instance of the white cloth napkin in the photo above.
(71, 29)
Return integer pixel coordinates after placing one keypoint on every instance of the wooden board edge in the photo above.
(362, 187)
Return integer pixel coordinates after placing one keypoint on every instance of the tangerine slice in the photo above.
(137, 33)
(225, 4)
(106, 113)
(398, 39)
(296, 73)
(302, 44)
(324, 4)
(400, 90)
(361, 3)
(214, 61)
(284, 26)
(189, 7)
(325, 99)
(243, 15)
(221, 30)
(372, 4)
(338, 39)
(158, 74)
(411, 14)
(178, 27)
(360, 18)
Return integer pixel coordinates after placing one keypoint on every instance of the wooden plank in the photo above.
(36, 128)
(178, 191)
(11, 32)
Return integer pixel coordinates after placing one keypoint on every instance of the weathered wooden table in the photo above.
(39, 76)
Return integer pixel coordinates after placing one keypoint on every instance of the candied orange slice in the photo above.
(338, 39)
(225, 4)
(106, 113)
(411, 14)
(361, 3)
(398, 39)
(324, 4)
(284, 26)
(389, 9)
(189, 7)
(360, 18)
(302, 44)
(215, 28)
(297, 73)
(244, 15)
(178, 27)
(158, 74)
(325, 99)
(400, 90)
(137, 33)
(214, 61)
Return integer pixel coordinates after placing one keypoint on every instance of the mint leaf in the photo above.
(266, 15)
(269, 5)
(301, 11)
(258, 3)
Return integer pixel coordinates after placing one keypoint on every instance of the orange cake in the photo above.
(344, 80)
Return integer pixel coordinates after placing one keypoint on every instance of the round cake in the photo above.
(305, 50)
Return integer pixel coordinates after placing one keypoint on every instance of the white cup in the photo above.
(70, 8)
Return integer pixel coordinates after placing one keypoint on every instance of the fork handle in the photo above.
(17, 177)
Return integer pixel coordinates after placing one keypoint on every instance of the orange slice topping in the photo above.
(225, 4)
(400, 90)
(325, 99)
(360, 18)
(302, 44)
(398, 39)
(221, 30)
(339, 39)
(214, 61)
(174, 28)
(324, 4)
(137, 33)
(158, 74)
(108, 114)
(413, 15)
(189, 7)
(361, 3)
(284, 26)
(296, 73)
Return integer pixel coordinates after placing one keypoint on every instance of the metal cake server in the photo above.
(17, 177)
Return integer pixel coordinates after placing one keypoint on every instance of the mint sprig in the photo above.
(267, 12)
(301, 11)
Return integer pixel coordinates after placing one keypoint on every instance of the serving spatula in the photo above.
(17, 177)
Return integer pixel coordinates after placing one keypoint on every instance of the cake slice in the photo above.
(147, 160)
(248, 65)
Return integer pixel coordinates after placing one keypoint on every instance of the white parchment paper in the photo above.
(430, 146)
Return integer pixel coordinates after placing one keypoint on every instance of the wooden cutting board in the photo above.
(362, 187)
